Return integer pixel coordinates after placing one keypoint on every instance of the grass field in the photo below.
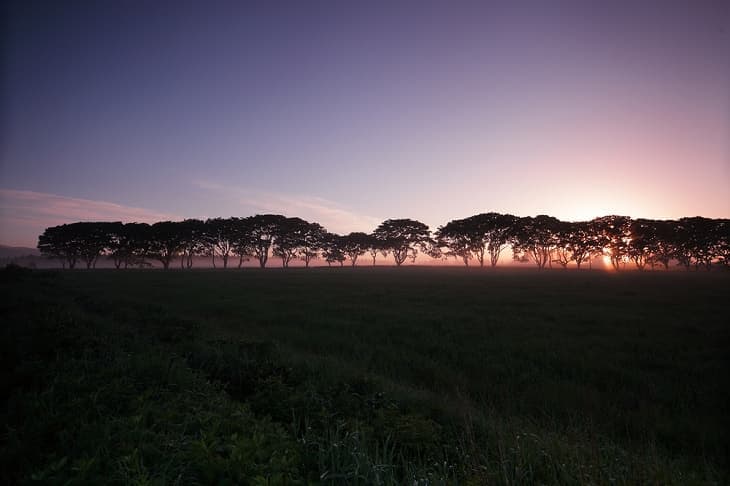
(365, 376)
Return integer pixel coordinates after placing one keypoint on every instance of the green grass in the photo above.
(365, 376)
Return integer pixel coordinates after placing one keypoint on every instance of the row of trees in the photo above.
(545, 240)
(691, 242)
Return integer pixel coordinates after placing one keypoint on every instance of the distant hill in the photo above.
(17, 251)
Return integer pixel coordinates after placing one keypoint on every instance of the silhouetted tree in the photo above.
(459, 240)
(85, 241)
(241, 243)
(535, 238)
(614, 236)
(60, 242)
(662, 242)
(194, 233)
(93, 238)
(220, 235)
(130, 244)
(563, 253)
(289, 236)
(722, 242)
(118, 244)
(477, 236)
(140, 241)
(495, 234)
(643, 242)
(403, 237)
(376, 246)
(694, 242)
(354, 245)
(332, 250)
(313, 239)
(166, 241)
(582, 241)
(262, 230)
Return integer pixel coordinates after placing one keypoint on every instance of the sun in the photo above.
(606, 261)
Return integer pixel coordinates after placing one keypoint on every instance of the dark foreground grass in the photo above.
(365, 376)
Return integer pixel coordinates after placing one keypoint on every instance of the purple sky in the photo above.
(131, 110)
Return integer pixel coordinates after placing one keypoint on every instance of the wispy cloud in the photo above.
(25, 214)
(332, 215)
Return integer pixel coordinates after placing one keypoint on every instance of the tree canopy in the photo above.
(403, 238)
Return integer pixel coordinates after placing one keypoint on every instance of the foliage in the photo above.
(313, 237)
(403, 238)
(165, 242)
(333, 249)
(262, 230)
(536, 237)
(355, 244)
(218, 236)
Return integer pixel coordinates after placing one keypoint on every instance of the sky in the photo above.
(350, 113)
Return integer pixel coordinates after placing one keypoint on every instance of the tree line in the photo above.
(695, 242)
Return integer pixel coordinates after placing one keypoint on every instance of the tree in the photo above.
(289, 238)
(535, 238)
(354, 245)
(60, 242)
(695, 242)
(459, 240)
(139, 236)
(241, 244)
(403, 237)
(477, 236)
(495, 234)
(645, 245)
(663, 234)
(167, 239)
(615, 234)
(581, 241)
(722, 241)
(72, 242)
(95, 239)
(130, 244)
(262, 229)
(194, 241)
(376, 246)
(219, 236)
(118, 249)
(332, 250)
(563, 250)
(312, 241)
